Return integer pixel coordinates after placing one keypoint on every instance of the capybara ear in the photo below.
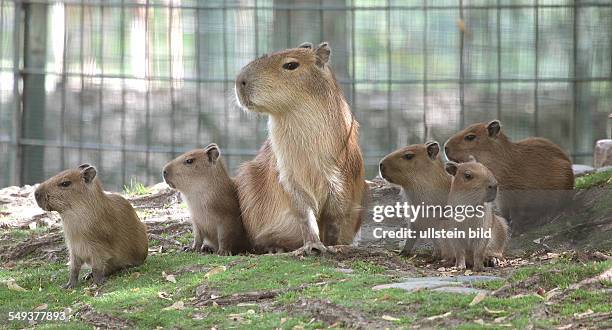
(494, 127)
(323, 52)
(83, 166)
(433, 148)
(451, 168)
(306, 44)
(472, 159)
(88, 174)
(212, 151)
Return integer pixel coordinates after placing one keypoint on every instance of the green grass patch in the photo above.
(143, 295)
(136, 188)
(594, 180)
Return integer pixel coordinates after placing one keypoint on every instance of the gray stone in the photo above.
(456, 284)
(460, 289)
(580, 170)
(603, 153)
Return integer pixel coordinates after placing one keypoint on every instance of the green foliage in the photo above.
(144, 295)
(136, 188)
(594, 180)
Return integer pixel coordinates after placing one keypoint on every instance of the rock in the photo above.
(603, 153)
(381, 193)
(457, 284)
(604, 169)
(580, 170)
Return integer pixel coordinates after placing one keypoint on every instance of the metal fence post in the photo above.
(33, 116)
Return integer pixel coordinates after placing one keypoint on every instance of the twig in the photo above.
(256, 295)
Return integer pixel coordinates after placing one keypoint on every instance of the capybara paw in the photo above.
(69, 285)
(493, 262)
(209, 249)
(224, 252)
(309, 248)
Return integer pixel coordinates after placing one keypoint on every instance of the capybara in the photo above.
(535, 176)
(473, 185)
(211, 195)
(420, 171)
(305, 187)
(100, 229)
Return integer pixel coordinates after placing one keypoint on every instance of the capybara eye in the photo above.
(65, 184)
(408, 156)
(291, 65)
(189, 161)
(470, 137)
(467, 175)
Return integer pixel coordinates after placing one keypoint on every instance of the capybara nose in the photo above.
(241, 80)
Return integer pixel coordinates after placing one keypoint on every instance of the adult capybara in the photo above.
(306, 183)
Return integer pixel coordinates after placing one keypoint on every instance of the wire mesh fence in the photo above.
(129, 84)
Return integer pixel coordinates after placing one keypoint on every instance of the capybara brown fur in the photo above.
(473, 185)
(305, 187)
(420, 171)
(212, 198)
(535, 176)
(101, 230)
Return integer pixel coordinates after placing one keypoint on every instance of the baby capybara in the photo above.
(535, 176)
(100, 229)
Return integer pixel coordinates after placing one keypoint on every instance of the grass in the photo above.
(595, 179)
(136, 188)
(134, 295)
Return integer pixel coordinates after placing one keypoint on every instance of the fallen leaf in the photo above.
(41, 307)
(441, 269)
(479, 321)
(499, 319)
(215, 270)
(135, 289)
(12, 285)
(169, 277)
(541, 292)
(468, 272)
(567, 326)
(552, 293)
(478, 298)
(179, 305)
(164, 295)
(389, 318)
(135, 275)
(441, 316)
(581, 315)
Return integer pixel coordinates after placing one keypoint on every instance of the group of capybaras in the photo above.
(305, 190)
